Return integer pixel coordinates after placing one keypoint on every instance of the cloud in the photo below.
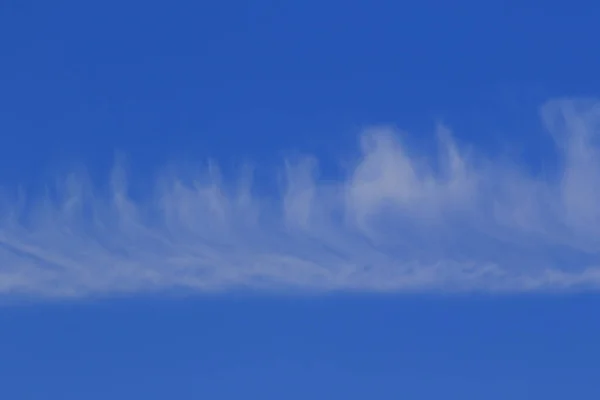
(395, 222)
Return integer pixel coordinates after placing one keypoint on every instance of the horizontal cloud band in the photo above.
(394, 223)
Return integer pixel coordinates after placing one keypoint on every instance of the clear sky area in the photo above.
(299, 199)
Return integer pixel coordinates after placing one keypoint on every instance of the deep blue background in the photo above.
(341, 347)
(241, 80)
(251, 79)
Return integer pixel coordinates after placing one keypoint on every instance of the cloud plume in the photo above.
(395, 222)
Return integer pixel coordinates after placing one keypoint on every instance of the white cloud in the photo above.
(397, 222)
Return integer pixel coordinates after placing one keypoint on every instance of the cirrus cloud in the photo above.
(394, 223)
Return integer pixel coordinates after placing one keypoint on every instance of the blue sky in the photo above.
(299, 199)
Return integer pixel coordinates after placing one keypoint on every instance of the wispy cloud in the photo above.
(394, 222)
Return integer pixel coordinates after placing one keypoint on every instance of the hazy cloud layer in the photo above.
(395, 222)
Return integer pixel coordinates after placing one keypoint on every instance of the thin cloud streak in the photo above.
(394, 223)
